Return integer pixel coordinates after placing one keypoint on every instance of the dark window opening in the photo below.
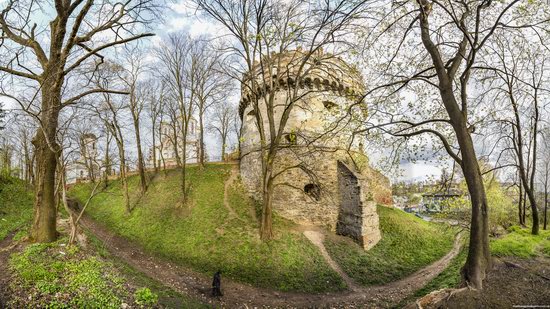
(329, 105)
(313, 190)
(290, 138)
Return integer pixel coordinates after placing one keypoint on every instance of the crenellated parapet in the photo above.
(316, 72)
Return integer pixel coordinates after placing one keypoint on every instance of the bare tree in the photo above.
(212, 85)
(155, 110)
(55, 50)
(138, 92)
(517, 72)
(110, 112)
(222, 121)
(259, 28)
(181, 57)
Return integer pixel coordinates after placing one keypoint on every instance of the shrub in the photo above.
(145, 297)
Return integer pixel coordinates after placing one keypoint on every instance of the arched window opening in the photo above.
(313, 190)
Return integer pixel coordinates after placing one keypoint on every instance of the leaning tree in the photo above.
(51, 50)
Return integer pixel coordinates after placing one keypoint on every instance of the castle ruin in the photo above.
(324, 176)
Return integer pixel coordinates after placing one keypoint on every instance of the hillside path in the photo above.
(239, 295)
(317, 238)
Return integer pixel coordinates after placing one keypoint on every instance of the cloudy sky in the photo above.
(181, 17)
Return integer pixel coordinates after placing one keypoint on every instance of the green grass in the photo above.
(449, 278)
(167, 298)
(202, 235)
(54, 276)
(520, 243)
(408, 243)
(15, 205)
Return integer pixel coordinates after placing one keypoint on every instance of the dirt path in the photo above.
(238, 295)
(5, 252)
(317, 239)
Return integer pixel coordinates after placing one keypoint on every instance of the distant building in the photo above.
(86, 167)
(165, 152)
(436, 202)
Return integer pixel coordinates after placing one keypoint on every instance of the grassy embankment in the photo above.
(55, 276)
(203, 235)
(520, 243)
(15, 205)
(408, 243)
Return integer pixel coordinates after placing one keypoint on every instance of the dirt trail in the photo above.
(5, 245)
(317, 239)
(238, 295)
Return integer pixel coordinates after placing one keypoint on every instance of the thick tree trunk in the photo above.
(479, 256)
(46, 150)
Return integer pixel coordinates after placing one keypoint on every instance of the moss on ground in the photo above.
(15, 205)
(203, 235)
(408, 243)
(55, 276)
(519, 242)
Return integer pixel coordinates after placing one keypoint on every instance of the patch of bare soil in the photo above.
(238, 295)
(5, 251)
(511, 283)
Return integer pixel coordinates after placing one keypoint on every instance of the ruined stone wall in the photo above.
(357, 217)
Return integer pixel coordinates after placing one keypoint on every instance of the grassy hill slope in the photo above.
(408, 244)
(15, 205)
(205, 236)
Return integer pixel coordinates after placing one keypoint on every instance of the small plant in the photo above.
(145, 297)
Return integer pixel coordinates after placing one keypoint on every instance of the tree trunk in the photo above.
(45, 214)
(479, 255)
(524, 214)
(155, 165)
(201, 138)
(124, 180)
(223, 147)
(520, 204)
(184, 164)
(141, 167)
(545, 205)
(266, 227)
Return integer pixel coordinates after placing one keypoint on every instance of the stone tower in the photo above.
(324, 177)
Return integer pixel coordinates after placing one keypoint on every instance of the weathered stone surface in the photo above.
(322, 181)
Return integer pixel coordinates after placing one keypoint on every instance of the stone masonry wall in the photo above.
(357, 216)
